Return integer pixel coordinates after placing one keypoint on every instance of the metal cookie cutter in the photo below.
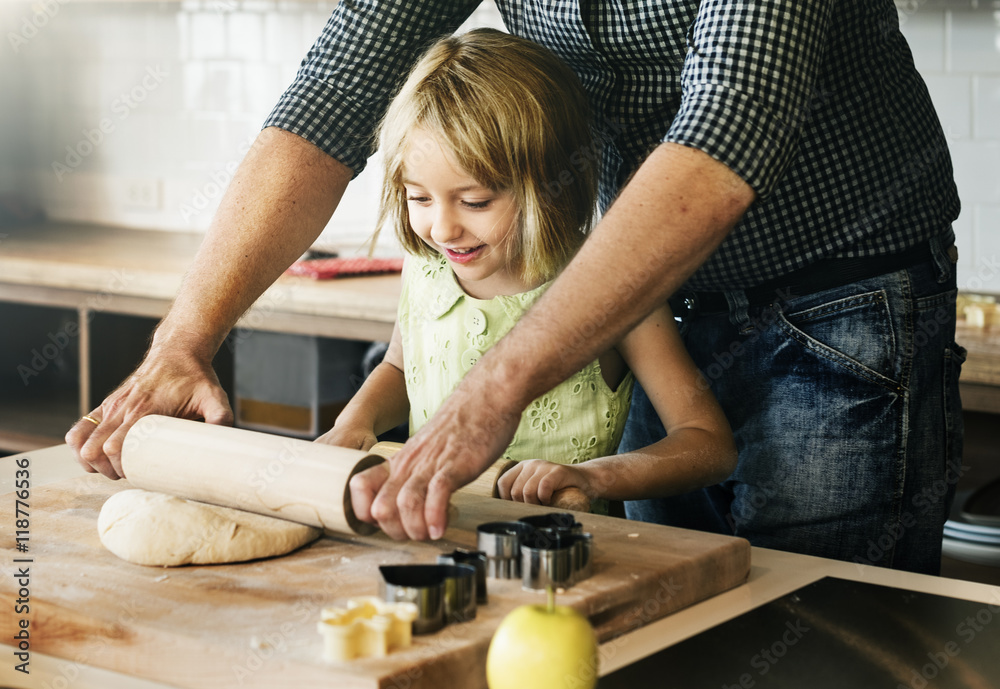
(501, 541)
(559, 556)
(548, 559)
(475, 558)
(442, 593)
(558, 522)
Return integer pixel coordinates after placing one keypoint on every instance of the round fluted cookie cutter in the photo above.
(501, 542)
(442, 593)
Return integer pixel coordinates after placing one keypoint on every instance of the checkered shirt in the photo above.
(815, 103)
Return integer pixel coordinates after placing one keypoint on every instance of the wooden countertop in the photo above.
(139, 271)
(773, 574)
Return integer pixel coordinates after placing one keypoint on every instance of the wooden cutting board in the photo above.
(254, 624)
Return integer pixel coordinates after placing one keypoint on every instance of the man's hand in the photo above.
(167, 382)
(464, 437)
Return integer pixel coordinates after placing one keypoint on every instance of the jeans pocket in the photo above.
(854, 332)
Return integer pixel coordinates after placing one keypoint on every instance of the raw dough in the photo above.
(150, 528)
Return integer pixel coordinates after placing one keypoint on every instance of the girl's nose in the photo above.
(446, 227)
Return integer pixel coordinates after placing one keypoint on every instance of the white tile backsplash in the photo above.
(952, 98)
(245, 35)
(284, 37)
(925, 32)
(988, 238)
(208, 35)
(958, 53)
(977, 170)
(974, 39)
(986, 114)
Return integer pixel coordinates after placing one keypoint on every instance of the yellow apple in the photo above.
(543, 647)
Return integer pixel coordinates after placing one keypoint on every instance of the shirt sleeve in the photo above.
(748, 79)
(348, 77)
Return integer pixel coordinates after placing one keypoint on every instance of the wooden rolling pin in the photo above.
(288, 478)
(486, 483)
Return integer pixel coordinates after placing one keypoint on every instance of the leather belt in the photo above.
(817, 277)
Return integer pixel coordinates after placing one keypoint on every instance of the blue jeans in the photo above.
(845, 408)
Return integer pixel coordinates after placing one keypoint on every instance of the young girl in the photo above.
(490, 185)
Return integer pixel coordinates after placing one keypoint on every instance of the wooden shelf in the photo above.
(99, 292)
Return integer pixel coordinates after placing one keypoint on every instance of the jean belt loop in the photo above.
(739, 308)
(944, 254)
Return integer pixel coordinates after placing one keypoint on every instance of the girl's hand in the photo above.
(535, 481)
(353, 438)
(364, 486)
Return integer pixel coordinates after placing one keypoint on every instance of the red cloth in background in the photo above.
(326, 268)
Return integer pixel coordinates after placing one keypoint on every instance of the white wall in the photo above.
(956, 47)
(136, 113)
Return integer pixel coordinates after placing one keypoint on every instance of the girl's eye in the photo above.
(475, 205)
(417, 199)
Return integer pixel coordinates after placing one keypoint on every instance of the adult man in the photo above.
(784, 165)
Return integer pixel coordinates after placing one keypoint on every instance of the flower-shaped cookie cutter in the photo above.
(368, 627)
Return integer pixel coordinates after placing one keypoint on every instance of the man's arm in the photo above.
(672, 215)
(281, 197)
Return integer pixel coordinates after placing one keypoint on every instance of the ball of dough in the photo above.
(150, 528)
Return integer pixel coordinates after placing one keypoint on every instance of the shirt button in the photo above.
(475, 321)
(470, 357)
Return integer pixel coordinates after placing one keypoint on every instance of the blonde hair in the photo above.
(515, 118)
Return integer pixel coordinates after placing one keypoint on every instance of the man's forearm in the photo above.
(280, 199)
(669, 219)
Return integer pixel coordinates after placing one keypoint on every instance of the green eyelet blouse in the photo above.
(445, 331)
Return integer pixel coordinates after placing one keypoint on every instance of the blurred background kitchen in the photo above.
(136, 114)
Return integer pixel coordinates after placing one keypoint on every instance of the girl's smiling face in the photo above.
(471, 225)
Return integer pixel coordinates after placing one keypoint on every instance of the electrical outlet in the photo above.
(141, 193)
